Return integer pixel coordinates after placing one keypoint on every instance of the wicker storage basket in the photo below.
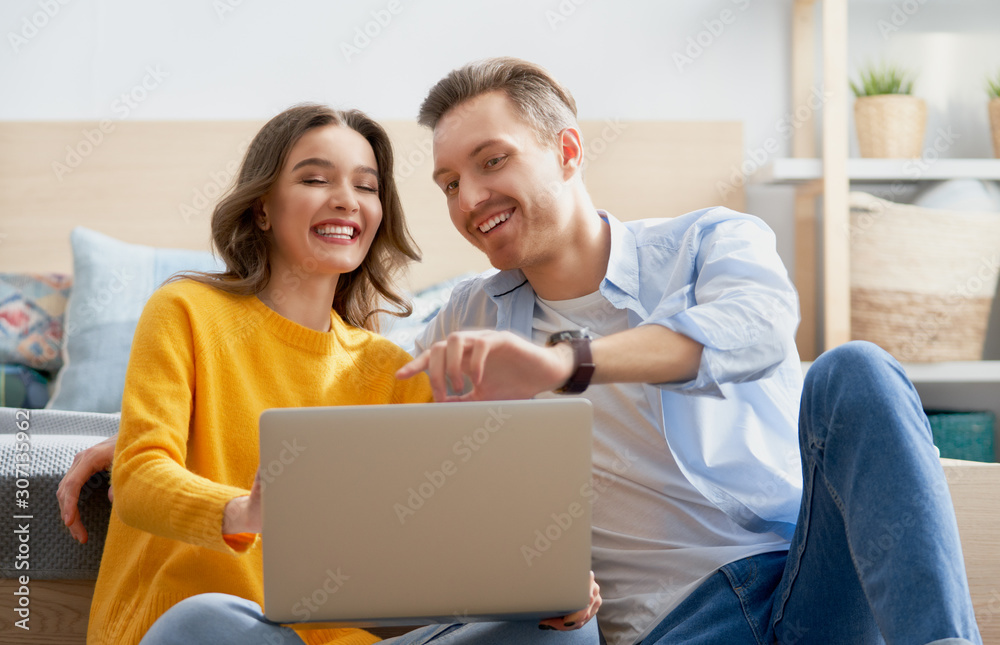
(922, 280)
(890, 126)
(995, 126)
(963, 435)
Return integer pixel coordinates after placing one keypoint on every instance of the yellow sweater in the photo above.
(204, 365)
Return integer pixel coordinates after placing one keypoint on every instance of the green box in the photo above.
(963, 435)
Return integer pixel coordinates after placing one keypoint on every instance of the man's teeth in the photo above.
(341, 232)
(488, 225)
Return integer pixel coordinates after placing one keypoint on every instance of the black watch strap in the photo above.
(583, 359)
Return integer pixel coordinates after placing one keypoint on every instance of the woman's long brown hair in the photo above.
(242, 245)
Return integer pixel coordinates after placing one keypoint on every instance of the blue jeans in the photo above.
(875, 556)
(222, 619)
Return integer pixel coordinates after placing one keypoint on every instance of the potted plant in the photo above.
(889, 120)
(993, 89)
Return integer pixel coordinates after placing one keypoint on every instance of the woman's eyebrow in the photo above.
(313, 161)
(325, 163)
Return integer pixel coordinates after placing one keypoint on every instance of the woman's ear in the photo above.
(570, 150)
(260, 215)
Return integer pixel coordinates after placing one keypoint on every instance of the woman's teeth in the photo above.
(339, 232)
(489, 224)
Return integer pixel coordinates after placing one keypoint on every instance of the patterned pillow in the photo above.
(31, 319)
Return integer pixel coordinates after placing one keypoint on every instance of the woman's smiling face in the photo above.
(324, 207)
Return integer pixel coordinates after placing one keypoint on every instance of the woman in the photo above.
(311, 236)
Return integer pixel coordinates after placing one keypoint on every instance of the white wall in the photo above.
(248, 59)
(213, 60)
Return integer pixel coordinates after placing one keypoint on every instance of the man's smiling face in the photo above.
(505, 190)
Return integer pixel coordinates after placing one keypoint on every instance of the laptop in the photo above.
(416, 514)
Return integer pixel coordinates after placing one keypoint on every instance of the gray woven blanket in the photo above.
(33, 540)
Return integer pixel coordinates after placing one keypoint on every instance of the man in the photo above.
(704, 528)
(710, 534)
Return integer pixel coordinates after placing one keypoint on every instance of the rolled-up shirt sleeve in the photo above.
(740, 305)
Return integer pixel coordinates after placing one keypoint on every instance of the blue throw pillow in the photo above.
(112, 281)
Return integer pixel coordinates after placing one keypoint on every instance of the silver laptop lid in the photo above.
(423, 513)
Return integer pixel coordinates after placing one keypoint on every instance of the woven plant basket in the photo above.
(995, 125)
(922, 280)
(890, 126)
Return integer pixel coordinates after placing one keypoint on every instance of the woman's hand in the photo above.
(578, 619)
(242, 514)
(86, 464)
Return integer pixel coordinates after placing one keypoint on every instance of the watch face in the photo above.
(569, 334)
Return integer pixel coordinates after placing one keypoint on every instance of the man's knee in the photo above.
(856, 361)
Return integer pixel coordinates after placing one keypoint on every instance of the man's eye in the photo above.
(451, 186)
(495, 161)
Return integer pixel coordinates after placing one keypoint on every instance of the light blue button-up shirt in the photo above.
(713, 275)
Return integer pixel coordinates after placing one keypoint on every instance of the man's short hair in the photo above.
(545, 105)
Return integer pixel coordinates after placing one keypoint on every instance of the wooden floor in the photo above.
(59, 612)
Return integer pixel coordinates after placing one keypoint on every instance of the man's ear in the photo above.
(570, 144)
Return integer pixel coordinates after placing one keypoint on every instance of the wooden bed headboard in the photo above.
(156, 183)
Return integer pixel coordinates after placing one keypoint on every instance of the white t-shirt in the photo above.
(655, 536)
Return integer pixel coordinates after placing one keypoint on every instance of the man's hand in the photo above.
(577, 619)
(242, 514)
(85, 465)
(501, 365)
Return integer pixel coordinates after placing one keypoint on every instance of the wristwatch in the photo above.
(583, 360)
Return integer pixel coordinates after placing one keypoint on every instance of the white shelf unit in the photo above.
(793, 171)
(826, 174)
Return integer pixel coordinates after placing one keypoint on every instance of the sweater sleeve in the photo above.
(154, 491)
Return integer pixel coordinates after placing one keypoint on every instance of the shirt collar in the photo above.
(622, 273)
(623, 263)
